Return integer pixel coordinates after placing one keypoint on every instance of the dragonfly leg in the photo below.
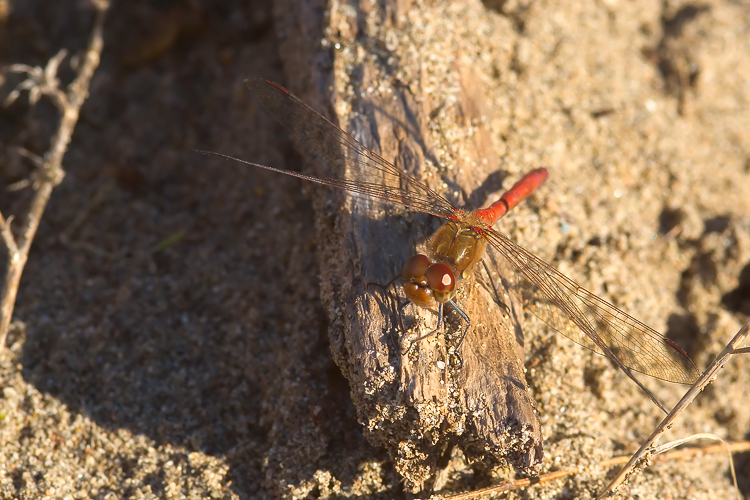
(400, 314)
(463, 335)
(433, 332)
(383, 287)
(440, 324)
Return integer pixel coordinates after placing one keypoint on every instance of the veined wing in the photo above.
(371, 174)
(585, 318)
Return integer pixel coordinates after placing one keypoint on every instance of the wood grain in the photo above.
(420, 404)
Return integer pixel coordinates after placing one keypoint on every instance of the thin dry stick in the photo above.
(518, 484)
(49, 169)
(642, 455)
(640, 459)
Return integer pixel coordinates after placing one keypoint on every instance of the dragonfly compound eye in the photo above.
(442, 282)
(416, 285)
(415, 267)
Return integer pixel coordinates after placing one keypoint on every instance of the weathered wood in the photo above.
(416, 404)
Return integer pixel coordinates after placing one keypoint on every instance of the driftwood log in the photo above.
(417, 404)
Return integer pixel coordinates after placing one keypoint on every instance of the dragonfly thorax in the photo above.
(458, 246)
(453, 249)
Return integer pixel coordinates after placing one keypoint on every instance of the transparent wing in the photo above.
(568, 308)
(366, 172)
(586, 319)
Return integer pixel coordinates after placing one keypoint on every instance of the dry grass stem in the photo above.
(646, 453)
(44, 82)
(641, 458)
(517, 484)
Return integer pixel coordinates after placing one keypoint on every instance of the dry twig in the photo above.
(49, 173)
(641, 458)
(517, 484)
(646, 453)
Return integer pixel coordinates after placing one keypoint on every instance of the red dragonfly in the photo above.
(456, 247)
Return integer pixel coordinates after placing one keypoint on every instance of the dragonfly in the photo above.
(456, 247)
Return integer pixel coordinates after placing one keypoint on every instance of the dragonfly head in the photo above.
(426, 282)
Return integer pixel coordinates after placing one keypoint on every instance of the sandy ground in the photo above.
(169, 339)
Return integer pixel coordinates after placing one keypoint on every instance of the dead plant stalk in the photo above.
(49, 173)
